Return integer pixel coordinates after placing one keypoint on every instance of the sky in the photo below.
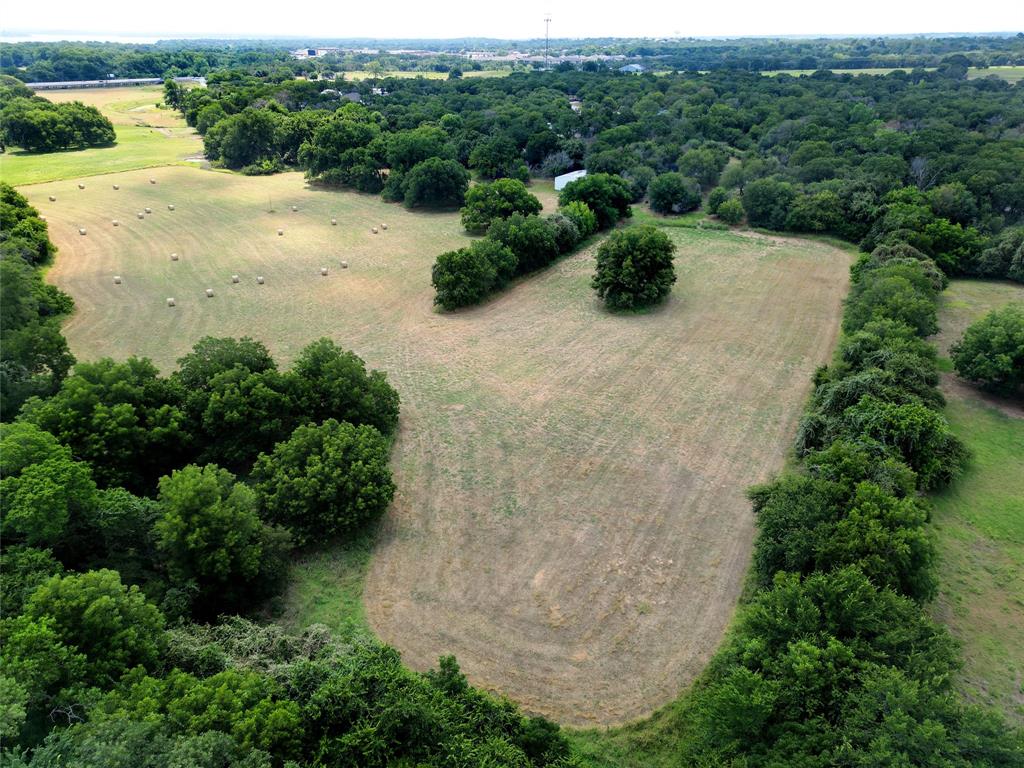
(132, 20)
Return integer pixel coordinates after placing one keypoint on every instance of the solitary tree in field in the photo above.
(992, 350)
(634, 268)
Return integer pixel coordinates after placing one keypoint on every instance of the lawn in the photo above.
(979, 521)
(1010, 74)
(146, 137)
(570, 518)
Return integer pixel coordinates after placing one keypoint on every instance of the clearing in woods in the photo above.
(570, 519)
(146, 137)
(980, 520)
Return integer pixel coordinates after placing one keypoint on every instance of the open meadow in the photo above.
(1009, 74)
(570, 519)
(146, 137)
(979, 521)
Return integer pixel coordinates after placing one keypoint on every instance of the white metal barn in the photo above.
(565, 178)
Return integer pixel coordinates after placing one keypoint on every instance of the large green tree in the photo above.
(634, 268)
(213, 539)
(991, 351)
(325, 480)
(606, 195)
(112, 625)
(334, 384)
(498, 199)
(123, 418)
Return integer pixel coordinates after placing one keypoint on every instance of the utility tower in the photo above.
(547, 25)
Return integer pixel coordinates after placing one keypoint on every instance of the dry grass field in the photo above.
(570, 519)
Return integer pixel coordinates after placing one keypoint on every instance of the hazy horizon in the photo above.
(571, 19)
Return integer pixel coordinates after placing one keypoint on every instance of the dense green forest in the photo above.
(147, 519)
(927, 162)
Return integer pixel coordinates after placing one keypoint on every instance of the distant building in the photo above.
(111, 82)
(312, 53)
(575, 105)
(631, 69)
(353, 96)
(565, 178)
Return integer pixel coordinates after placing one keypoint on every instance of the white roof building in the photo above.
(565, 178)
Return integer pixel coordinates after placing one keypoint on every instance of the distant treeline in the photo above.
(39, 125)
(48, 62)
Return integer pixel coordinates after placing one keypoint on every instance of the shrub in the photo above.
(716, 197)
(731, 211)
(464, 277)
(435, 183)
(991, 351)
(639, 178)
(580, 215)
(496, 200)
(567, 234)
(606, 195)
(530, 238)
(900, 292)
(325, 480)
(767, 203)
(674, 193)
(634, 268)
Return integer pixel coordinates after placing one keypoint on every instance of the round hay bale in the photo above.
(81, 186)
(259, 279)
(374, 230)
(384, 226)
(141, 215)
(115, 222)
(53, 198)
(334, 222)
(174, 257)
(152, 181)
(170, 302)
(117, 186)
(344, 265)
(117, 279)
(234, 278)
(81, 230)
(280, 232)
(209, 293)
(170, 207)
(295, 208)
(323, 271)
(149, 210)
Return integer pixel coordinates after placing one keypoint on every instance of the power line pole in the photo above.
(547, 25)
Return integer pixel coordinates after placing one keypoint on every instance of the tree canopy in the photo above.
(634, 268)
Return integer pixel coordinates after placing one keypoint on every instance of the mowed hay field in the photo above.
(979, 521)
(146, 137)
(570, 519)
